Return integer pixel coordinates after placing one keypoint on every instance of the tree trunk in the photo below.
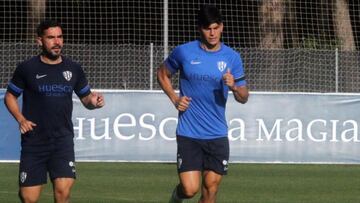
(271, 20)
(271, 24)
(292, 30)
(342, 26)
(36, 13)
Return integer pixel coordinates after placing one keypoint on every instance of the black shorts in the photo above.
(201, 155)
(34, 166)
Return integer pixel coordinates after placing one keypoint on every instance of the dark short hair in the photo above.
(46, 24)
(207, 15)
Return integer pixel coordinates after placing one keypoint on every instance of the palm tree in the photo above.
(291, 26)
(348, 60)
(272, 14)
(342, 25)
(35, 14)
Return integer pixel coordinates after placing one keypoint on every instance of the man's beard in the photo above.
(50, 55)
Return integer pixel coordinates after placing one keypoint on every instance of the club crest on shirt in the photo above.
(221, 65)
(67, 75)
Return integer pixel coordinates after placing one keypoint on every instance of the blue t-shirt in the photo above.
(201, 75)
(47, 99)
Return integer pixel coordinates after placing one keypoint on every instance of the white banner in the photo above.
(271, 127)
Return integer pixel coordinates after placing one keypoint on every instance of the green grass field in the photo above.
(245, 183)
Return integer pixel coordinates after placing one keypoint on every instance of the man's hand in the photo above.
(26, 126)
(97, 100)
(93, 101)
(182, 103)
(228, 79)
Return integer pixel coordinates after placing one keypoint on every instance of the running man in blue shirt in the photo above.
(47, 82)
(208, 70)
